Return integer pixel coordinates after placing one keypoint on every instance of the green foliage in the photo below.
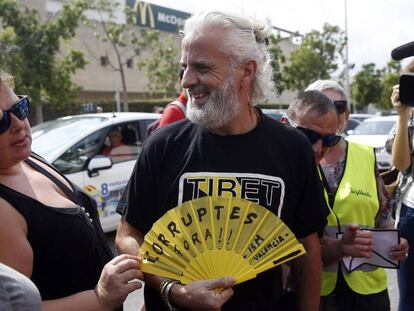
(162, 67)
(126, 39)
(374, 86)
(120, 35)
(8, 49)
(316, 58)
(34, 62)
(278, 59)
(66, 68)
(390, 77)
(366, 86)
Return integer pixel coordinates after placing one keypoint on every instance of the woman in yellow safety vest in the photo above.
(355, 198)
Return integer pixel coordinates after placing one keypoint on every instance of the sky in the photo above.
(375, 27)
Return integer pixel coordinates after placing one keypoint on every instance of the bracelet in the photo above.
(165, 288)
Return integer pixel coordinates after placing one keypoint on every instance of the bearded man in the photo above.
(227, 147)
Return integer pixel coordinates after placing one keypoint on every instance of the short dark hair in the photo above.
(314, 102)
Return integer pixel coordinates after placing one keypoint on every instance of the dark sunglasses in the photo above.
(328, 140)
(341, 105)
(20, 109)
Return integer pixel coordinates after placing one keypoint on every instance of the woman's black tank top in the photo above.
(69, 249)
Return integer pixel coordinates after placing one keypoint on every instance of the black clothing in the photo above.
(69, 250)
(344, 298)
(271, 165)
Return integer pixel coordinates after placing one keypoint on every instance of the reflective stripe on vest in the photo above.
(356, 202)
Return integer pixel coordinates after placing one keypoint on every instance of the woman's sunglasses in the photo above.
(341, 105)
(20, 109)
(328, 140)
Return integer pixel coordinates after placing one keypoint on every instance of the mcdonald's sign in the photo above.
(142, 10)
(157, 17)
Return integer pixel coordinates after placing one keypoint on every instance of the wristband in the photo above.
(165, 288)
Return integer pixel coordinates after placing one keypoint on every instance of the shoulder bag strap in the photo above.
(69, 192)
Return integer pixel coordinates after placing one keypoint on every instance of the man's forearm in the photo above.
(128, 239)
(307, 274)
(331, 250)
(401, 149)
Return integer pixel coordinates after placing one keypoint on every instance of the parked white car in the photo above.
(75, 144)
(362, 116)
(374, 132)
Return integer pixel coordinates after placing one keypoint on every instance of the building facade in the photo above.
(99, 80)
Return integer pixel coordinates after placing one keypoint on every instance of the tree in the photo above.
(316, 58)
(390, 77)
(125, 39)
(162, 67)
(366, 86)
(278, 59)
(7, 50)
(35, 64)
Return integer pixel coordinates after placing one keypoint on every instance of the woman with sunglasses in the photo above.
(350, 168)
(49, 230)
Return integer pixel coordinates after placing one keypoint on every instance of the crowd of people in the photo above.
(53, 253)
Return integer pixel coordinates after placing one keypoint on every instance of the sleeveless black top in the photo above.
(69, 246)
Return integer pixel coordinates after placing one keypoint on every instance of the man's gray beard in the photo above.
(220, 108)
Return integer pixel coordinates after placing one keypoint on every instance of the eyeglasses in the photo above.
(20, 109)
(328, 140)
(341, 105)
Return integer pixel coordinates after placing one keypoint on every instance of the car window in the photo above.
(46, 136)
(143, 125)
(75, 158)
(374, 128)
(274, 113)
(351, 125)
(122, 142)
(275, 116)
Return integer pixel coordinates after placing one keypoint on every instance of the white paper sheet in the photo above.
(383, 241)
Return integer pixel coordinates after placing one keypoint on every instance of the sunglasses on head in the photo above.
(20, 109)
(328, 140)
(341, 105)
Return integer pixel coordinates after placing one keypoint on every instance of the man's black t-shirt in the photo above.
(271, 165)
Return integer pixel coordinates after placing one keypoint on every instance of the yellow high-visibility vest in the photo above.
(356, 202)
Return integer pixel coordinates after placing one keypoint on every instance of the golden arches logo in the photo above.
(142, 8)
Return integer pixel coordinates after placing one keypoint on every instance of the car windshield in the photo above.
(374, 128)
(47, 135)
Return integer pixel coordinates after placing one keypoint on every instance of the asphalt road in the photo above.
(135, 300)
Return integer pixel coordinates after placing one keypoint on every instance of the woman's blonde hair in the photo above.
(7, 79)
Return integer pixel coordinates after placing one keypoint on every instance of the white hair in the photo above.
(246, 39)
(220, 108)
(322, 85)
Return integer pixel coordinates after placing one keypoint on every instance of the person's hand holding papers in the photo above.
(356, 242)
(400, 251)
(376, 248)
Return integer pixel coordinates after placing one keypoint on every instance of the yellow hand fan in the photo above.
(212, 237)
